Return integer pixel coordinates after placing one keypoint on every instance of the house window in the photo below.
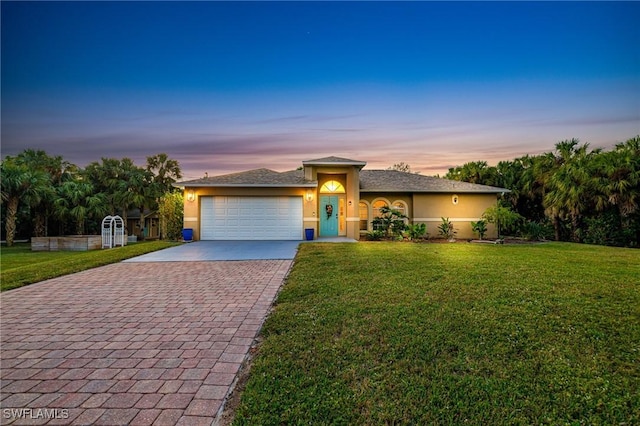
(364, 216)
(332, 187)
(401, 206)
(376, 206)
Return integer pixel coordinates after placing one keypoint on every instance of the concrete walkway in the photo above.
(132, 343)
(223, 250)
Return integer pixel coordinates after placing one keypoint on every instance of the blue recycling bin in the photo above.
(309, 233)
(187, 234)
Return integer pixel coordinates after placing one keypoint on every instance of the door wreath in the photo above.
(329, 210)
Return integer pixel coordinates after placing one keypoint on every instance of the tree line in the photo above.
(573, 193)
(46, 195)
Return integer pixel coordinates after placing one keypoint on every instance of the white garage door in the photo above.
(251, 218)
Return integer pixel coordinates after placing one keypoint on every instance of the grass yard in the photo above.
(381, 333)
(20, 266)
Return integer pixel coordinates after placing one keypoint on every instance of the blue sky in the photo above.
(230, 86)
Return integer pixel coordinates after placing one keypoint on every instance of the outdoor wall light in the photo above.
(309, 195)
(191, 196)
(350, 203)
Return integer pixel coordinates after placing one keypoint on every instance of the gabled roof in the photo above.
(397, 181)
(334, 161)
(255, 178)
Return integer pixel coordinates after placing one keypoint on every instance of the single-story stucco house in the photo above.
(333, 196)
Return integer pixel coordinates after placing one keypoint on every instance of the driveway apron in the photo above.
(133, 343)
(223, 250)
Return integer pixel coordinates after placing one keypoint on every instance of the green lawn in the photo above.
(381, 333)
(20, 266)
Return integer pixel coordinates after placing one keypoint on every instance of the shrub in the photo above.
(170, 211)
(505, 219)
(375, 235)
(417, 231)
(446, 229)
(605, 229)
(536, 231)
(392, 223)
(480, 228)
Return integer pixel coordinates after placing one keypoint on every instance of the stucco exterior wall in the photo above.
(370, 197)
(430, 208)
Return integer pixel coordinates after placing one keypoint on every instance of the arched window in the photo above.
(332, 187)
(377, 205)
(401, 206)
(375, 210)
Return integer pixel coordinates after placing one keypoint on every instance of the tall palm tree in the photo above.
(20, 184)
(132, 187)
(58, 170)
(537, 171)
(165, 170)
(571, 185)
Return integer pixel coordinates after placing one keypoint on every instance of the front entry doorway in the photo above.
(332, 215)
(329, 216)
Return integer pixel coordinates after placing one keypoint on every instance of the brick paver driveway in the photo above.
(132, 343)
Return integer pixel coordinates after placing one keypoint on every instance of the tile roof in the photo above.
(256, 177)
(397, 181)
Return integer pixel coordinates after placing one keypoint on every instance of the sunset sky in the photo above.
(225, 87)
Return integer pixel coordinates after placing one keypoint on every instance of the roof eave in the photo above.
(359, 164)
(437, 191)
(250, 185)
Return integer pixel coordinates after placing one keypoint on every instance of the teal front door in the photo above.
(328, 216)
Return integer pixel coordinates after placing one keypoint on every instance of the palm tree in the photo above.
(509, 175)
(78, 202)
(106, 177)
(161, 173)
(20, 184)
(165, 170)
(537, 171)
(617, 194)
(127, 186)
(133, 187)
(571, 186)
(473, 172)
(623, 167)
(58, 170)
